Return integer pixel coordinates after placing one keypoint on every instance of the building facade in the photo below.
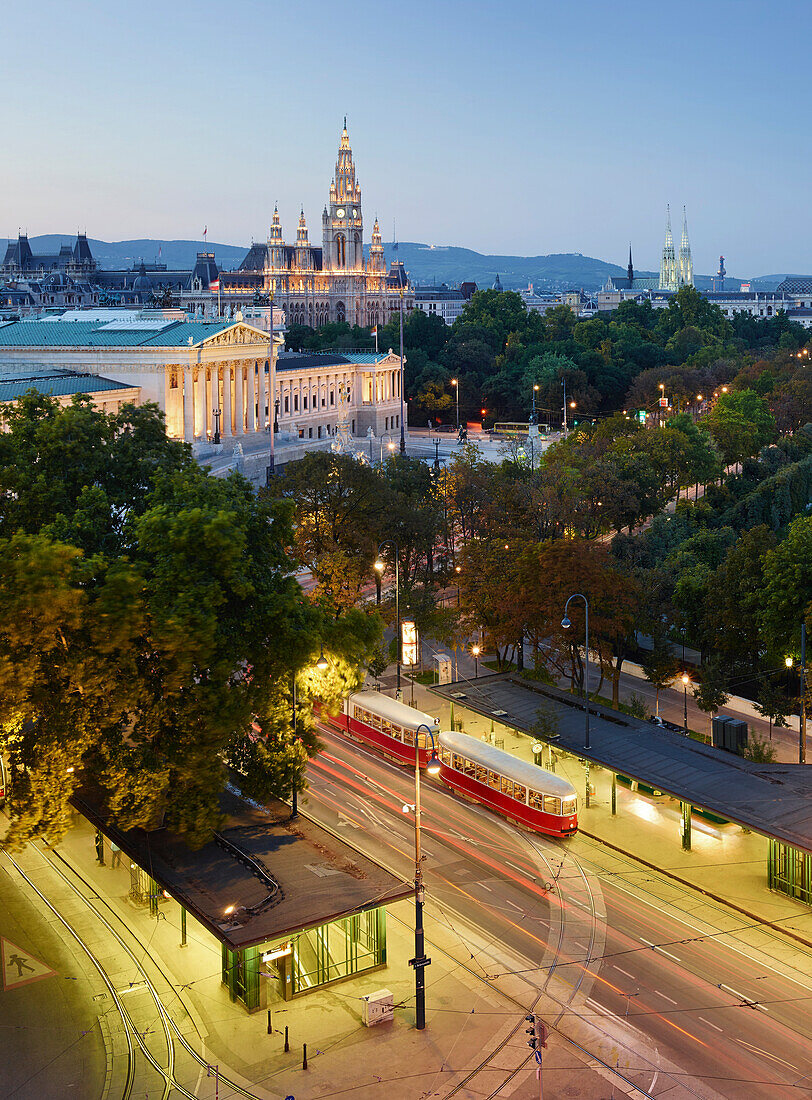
(444, 301)
(215, 378)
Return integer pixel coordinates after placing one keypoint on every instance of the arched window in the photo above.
(341, 312)
(341, 250)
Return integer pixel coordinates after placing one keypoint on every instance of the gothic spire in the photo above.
(668, 264)
(630, 268)
(686, 263)
(301, 232)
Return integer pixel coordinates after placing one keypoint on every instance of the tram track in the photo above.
(171, 1032)
(668, 1079)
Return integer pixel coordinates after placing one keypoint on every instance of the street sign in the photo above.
(20, 967)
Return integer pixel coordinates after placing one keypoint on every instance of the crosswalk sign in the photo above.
(20, 967)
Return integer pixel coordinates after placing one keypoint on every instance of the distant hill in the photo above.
(425, 263)
(177, 255)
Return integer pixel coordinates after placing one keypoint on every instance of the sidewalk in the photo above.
(726, 864)
(466, 1018)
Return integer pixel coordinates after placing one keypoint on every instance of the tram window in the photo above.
(569, 806)
(469, 768)
(386, 727)
(507, 787)
(445, 756)
(552, 805)
(519, 792)
(396, 732)
(536, 800)
(480, 773)
(375, 721)
(494, 780)
(408, 737)
(457, 763)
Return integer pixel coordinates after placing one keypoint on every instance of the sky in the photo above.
(508, 127)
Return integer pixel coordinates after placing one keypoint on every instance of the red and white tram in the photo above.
(389, 725)
(514, 788)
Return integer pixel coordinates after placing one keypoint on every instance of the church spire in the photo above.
(668, 264)
(276, 227)
(686, 263)
(630, 268)
(301, 232)
(345, 187)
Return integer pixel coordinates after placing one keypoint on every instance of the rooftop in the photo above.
(110, 333)
(17, 378)
(772, 799)
(275, 875)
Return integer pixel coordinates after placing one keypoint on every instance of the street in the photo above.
(680, 1008)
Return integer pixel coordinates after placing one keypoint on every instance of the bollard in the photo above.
(304, 1055)
(287, 1044)
(270, 1025)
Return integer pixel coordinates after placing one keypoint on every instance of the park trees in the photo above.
(741, 424)
(145, 634)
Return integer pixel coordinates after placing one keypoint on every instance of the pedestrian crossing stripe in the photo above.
(20, 967)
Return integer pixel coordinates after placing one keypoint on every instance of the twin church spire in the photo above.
(676, 270)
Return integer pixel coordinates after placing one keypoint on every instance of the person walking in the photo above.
(116, 855)
(99, 848)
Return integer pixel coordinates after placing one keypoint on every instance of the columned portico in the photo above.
(226, 430)
(239, 393)
(252, 397)
(188, 406)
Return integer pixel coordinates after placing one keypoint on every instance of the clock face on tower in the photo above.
(341, 212)
(354, 213)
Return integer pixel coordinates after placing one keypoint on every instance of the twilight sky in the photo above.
(508, 127)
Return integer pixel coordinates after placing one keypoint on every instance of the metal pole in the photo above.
(564, 383)
(294, 801)
(397, 617)
(685, 708)
(802, 725)
(182, 926)
(269, 473)
(457, 393)
(420, 962)
(402, 399)
(586, 674)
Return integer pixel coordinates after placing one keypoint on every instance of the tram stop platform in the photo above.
(738, 831)
(292, 907)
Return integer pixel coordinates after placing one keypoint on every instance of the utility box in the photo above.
(443, 668)
(730, 734)
(719, 724)
(378, 1007)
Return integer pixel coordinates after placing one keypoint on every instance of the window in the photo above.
(480, 773)
(519, 792)
(445, 757)
(286, 403)
(493, 780)
(570, 805)
(305, 401)
(310, 433)
(507, 787)
(332, 397)
(552, 805)
(319, 431)
(535, 800)
(457, 762)
(295, 402)
(469, 768)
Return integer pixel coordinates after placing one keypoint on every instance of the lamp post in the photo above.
(380, 565)
(564, 384)
(535, 391)
(802, 723)
(565, 622)
(216, 414)
(402, 399)
(436, 443)
(456, 384)
(271, 469)
(390, 445)
(475, 650)
(685, 681)
(420, 962)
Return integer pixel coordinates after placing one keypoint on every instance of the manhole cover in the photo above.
(572, 1091)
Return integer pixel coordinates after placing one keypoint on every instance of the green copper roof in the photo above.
(84, 334)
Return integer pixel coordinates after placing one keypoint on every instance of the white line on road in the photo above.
(704, 1021)
(622, 971)
(670, 1000)
(766, 1054)
(662, 950)
(521, 870)
(482, 886)
(748, 1000)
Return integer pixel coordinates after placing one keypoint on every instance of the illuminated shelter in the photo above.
(293, 907)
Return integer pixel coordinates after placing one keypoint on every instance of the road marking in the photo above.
(766, 1054)
(704, 1021)
(20, 967)
(670, 1000)
(748, 1000)
(512, 905)
(484, 887)
(622, 971)
(662, 950)
(515, 867)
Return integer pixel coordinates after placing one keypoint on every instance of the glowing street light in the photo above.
(475, 650)
(685, 682)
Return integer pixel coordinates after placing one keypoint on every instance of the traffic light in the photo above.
(538, 1032)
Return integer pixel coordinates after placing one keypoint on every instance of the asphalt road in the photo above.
(680, 1012)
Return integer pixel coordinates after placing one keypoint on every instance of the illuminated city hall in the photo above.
(334, 282)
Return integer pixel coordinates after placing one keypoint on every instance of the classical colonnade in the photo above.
(239, 391)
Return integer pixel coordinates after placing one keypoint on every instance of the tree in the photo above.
(759, 751)
(741, 424)
(787, 591)
(773, 704)
(660, 667)
(710, 693)
(145, 634)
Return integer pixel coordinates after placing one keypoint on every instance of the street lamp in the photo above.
(402, 398)
(380, 565)
(390, 445)
(455, 383)
(685, 682)
(270, 469)
(420, 962)
(535, 391)
(476, 651)
(322, 664)
(565, 622)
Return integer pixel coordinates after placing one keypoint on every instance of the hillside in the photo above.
(425, 263)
